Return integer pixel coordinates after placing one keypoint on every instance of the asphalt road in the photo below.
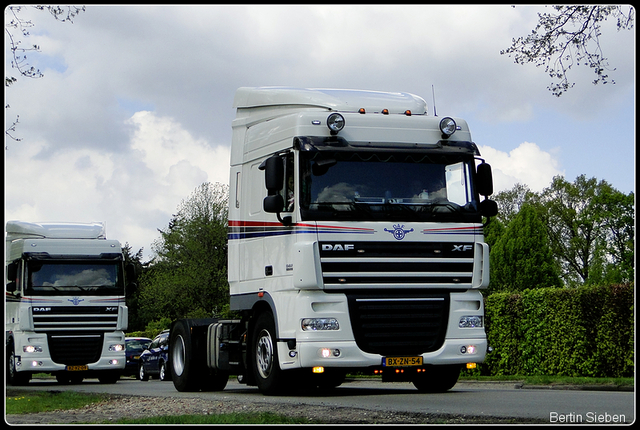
(466, 398)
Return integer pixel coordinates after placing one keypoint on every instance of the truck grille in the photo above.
(75, 349)
(408, 323)
(367, 265)
(75, 318)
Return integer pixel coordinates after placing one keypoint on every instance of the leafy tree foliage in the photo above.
(568, 37)
(521, 257)
(591, 230)
(187, 277)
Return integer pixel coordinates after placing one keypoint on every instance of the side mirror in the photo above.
(488, 208)
(273, 204)
(12, 272)
(273, 174)
(484, 180)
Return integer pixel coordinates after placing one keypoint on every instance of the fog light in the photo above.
(325, 353)
(36, 363)
(114, 362)
(468, 349)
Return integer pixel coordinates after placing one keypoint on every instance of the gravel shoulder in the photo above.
(119, 406)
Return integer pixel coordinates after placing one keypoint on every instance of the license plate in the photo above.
(401, 361)
(77, 368)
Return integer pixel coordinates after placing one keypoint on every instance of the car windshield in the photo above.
(137, 345)
(77, 278)
(372, 186)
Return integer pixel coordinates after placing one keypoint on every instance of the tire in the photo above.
(142, 375)
(109, 377)
(165, 373)
(266, 365)
(215, 381)
(14, 378)
(184, 369)
(439, 379)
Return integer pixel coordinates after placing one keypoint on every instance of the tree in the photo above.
(187, 277)
(569, 37)
(590, 227)
(16, 30)
(522, 258)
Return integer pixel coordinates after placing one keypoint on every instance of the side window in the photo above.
(289, 184)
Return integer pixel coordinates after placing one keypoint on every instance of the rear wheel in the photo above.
(184, 372)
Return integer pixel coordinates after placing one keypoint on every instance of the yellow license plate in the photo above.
(77, 368)
(401, 361)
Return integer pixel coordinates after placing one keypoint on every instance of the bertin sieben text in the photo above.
(589, 417)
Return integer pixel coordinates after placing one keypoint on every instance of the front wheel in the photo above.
(13, 376)
(439, 379)
(142, 375)
(266, 366)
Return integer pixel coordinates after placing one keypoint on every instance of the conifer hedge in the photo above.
(585, 331)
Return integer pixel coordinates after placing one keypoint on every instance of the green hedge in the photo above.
(586, 331)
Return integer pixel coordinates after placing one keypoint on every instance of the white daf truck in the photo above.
(65, 306)
(355, 244)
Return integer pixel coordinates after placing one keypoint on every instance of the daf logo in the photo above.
(337, 247)
(462, 248)
(111, 308)
(42, 309)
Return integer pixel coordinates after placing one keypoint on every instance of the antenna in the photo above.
(433, 94)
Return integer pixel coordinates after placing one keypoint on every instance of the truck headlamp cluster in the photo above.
(471, 321)
(447, 127)
(335, 122)
(117, 347)
(318, 324)
(32, 348)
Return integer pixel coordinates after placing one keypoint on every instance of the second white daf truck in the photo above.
(65, 311)
(355, 244)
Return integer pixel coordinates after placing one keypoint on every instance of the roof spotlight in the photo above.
(335, 122)
(447, 127)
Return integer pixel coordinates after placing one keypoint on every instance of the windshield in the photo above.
(387, 186)
(77, 278)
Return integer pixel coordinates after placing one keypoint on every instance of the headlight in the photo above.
(447, 127)
(335, 122)
(317, 324)
(32, 348)
(470, 322)
(117, 347)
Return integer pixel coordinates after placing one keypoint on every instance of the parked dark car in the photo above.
(154, 360)
(133, 348)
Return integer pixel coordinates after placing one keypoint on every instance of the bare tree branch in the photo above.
(569, 37)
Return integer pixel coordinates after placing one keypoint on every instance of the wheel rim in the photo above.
(177, 355)
(141, 372)
(162, 370)
(264, 354)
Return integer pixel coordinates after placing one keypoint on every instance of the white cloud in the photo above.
(527, 164)
(135, 193)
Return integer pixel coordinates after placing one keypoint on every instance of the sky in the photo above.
(134, 109)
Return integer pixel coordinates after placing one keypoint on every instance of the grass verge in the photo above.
(29, 402)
